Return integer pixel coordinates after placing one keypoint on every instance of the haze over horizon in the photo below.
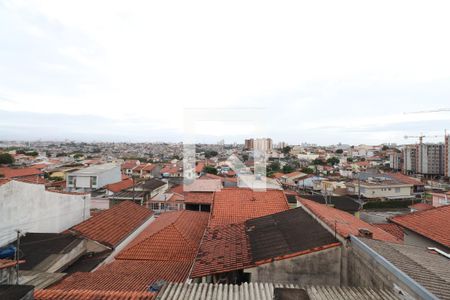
(322, 72)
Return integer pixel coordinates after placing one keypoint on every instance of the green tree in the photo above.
(273, 167)
(349, 159)
(307, 170)
(385, 148)
(210, 170)
(211, 153)
(286, 150)
(318, 161)
(77, 155)
(32, 153)
(288, 169)
(339, 151)
(6, 158)
(333, 161)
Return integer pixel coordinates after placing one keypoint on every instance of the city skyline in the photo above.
(322, 72)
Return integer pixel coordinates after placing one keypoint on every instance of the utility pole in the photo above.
(359, 189)
(134, 183)
(17, 255)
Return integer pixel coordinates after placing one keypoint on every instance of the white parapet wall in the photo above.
(30, 208)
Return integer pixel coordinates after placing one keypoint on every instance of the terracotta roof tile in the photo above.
(421, 206)
(393, 229)
(91, 295)
(432, 223)
(179, 189)
(199, 167)
(13, 173)
(346, 224)
(405, 179)
(224, 248)
(171, 169)
(120, 186)
(111, 226)
(126, 275)
(129, 164)
(173, 236)
(236, 205)
(4, 180)
(198, 197)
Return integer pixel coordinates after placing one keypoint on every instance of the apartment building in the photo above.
(447, 156)
(263, 144)
(410, 159)
(430, 159)
(395, 160)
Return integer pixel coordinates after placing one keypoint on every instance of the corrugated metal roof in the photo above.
(430, 270)
(265, 291)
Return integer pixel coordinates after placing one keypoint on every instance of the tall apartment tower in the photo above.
(263, 145)
(410, 159)
(430, 159)
(447, 156)
(249, 144)
(395, 160)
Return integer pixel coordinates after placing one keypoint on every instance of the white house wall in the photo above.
(30, 208)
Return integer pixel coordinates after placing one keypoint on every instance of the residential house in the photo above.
(93, 177)
(113, 229)
(166, 202)
(21, 173)
(373, 186)
(427, 228)
(172, 170)
(292, 179)
(128, 166)
(164, 251)
(440, 199)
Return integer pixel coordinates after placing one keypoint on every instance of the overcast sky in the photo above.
(316, 71)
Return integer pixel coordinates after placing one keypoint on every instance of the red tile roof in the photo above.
(345, 223)
(173, 236)
(277, 175)
(149, 167)
(199, 167)
(120, 186)
(236, 205)
(171, 169)
(405, 179)
(199, 197)
(13, 173)
(126, 275)
(432, 223)
(393, 229)
(91, 295)
(421, 206)
(129, 164)
(112, 226)
(203, 185)
(179, 189)
(294, 175)
(33, 179)
(224, 248)
(4, 180)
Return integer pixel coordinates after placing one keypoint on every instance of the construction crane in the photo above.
(427, 111)
(420, 137)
